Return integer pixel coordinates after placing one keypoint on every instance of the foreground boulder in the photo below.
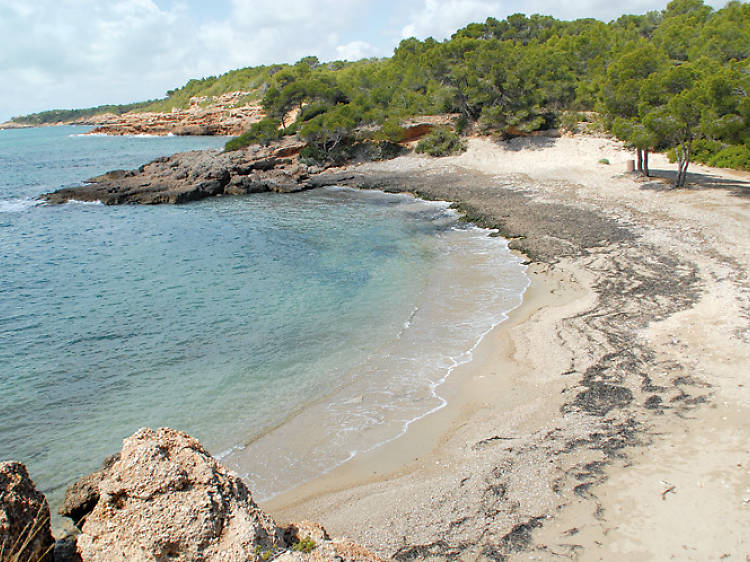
(167, 498)
(24, 517)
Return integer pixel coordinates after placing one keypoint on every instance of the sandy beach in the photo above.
(609, 417)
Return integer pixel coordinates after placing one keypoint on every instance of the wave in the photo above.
(17, 205)
(88, 203)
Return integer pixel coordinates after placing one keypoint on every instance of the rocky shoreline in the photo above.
(195, 175)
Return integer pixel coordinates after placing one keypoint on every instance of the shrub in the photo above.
(736, 156)
(569, 121)
(714, 153)
(390, 131)
(305, 545)
(604, 161)
(262, 132)
(462, 124)
(441, 142)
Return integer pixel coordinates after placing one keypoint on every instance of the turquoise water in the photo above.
(286, 332)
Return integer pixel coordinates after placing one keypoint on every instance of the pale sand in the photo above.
(548, 448)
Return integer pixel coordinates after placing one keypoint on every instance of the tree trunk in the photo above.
(683, 159)
(685, 167)
(639, 157)
(646, 171)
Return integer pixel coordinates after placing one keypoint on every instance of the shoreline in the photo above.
(598, 390)
(361, 398)
(467, 386)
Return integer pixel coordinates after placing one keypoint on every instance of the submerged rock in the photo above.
(24, 517)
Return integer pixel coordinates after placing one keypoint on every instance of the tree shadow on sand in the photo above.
(663, 180)
(517, 144)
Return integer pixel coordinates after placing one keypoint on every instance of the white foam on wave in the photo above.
(85, 203)
(17, 205)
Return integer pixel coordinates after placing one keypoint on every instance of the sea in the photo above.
(287, 332)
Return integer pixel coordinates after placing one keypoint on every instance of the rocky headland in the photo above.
(227, 114)
(190, 176)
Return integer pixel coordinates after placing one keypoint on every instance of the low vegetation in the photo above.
(441, 142)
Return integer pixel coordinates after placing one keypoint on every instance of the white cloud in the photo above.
(356, 50)
(440, 18)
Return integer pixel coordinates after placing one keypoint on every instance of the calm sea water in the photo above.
(286, 332)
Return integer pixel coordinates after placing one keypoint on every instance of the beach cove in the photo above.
(608, 418)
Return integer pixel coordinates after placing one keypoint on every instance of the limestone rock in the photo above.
(190, 176)
(168, 498)
(226, 114)
(24, 516)
(81, 496)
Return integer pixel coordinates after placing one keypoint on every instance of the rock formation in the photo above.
(81, 496)
(226, 114)
(165, 497)
(189, 176)
(24, 517)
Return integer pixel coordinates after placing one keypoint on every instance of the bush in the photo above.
(717, 154)
(441, 142)
(262, 132)
(390, 131)
(736, 156)
(462, 124)
(569, 121)
(305, 545)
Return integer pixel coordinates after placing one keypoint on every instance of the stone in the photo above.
(168, 498)
(81, 496)
(191, 176)
(24, 517)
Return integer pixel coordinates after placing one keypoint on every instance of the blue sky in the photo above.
(81, 53)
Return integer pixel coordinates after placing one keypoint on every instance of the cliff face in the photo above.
(226, 114)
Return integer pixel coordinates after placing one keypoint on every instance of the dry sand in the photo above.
(609, 418)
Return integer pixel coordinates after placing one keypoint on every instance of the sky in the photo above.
(82, 53)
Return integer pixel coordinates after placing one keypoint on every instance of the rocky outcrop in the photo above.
(24, 517)
(167, 498)
(190, 176)
(227, 114)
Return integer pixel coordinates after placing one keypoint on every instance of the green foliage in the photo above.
(737, 157)
(262, 132)
(441, 142)
(391, 131)
(305, 545)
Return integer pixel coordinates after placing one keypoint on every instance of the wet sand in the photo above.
(609, 417)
